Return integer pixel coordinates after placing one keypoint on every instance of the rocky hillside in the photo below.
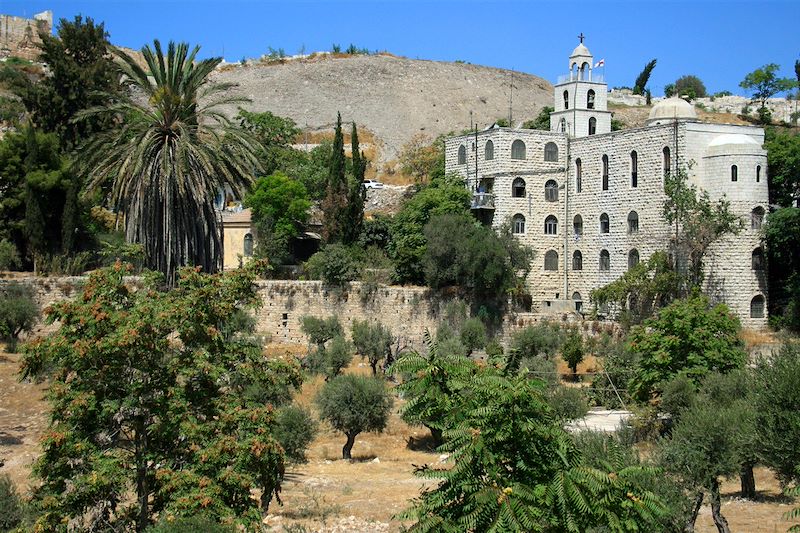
(393, 97)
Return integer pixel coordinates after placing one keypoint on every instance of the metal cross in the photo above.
(581, 37)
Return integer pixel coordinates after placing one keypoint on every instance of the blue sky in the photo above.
(720, 41)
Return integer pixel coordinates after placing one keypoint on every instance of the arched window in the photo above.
(566, 99)
(462, 155)
(758, 173)
(734, 173)
(551, 191)
(633, 258)
(576, 297)
(592, 126)
(605, 260)
(605, 172)
(578, 175)
(757, 217)
(633, 222)
(488, 151)
(551, 225)
(248, 245)
(550, 152)
(590, 99)
(667, 162)
(562, 126)
(551, 260)
(757, 262)
(518, 224)
(577, 260)
(577, 225)
(634, 169)
(605, 225)
(518, 149)
(757, 307)
(518, 188)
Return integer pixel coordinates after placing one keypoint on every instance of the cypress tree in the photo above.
(354, 218)
(337, 191)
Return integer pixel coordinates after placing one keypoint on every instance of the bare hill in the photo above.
(392, 97)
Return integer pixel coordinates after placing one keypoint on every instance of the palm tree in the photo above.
(171, 153)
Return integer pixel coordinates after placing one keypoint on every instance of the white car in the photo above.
(372, 184)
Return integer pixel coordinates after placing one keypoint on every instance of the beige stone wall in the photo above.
(19, 36)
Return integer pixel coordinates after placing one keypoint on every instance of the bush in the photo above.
(9, 256)
(677, 396)
(320, 330)
(18, 312)
(572, 351)
(353, 404)
(11, 507)
(543, 339)
(473, 335)
(568, 403)
(331, 360)
(295, 430)
(335, 265)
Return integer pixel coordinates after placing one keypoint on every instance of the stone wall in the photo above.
(19, 36)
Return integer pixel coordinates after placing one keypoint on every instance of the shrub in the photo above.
(332, 359)
(9, 256)
(191, 524)
(18, 312)
(572, 351)
(568, 403)
(335, 265)
(295, 430)
(543, 339)
(320, 330)
(353, 404)
(11, 508)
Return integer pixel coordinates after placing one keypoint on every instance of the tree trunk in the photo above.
(719, 520)
(374, 364)
(748, 481)
(141, 477)
(698, 501)
(348, 446)
(436, 433)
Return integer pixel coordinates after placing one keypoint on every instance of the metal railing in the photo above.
(597, 78)
(482, 200)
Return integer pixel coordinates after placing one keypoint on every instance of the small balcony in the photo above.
(482, 200)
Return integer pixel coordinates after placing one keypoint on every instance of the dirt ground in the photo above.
(331, 495)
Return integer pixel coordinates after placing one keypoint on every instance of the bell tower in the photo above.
(580, 98)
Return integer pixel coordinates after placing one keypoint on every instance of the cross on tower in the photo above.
(581, 37)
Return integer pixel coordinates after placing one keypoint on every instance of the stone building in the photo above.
(19, 37)
(589, 200)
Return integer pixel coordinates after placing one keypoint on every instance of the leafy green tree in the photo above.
(698, 223)
(473, 335)
(644, 76)
(336, 265)
(642, 290)
(295, 429)
(19, 312)
(500, 482)
(688, 337)
(353, 216)
(373, 341)
(279, 207)
(431, 383)
(149, 409)
(320, 330)
(542, 120)
(276, 135)
(354, 404)
(166, 160)
(689, 86)
(572, 351)
(764, 83)
(783, 160)
(777, 407)
(540, 340)
(332, 358)
(408, 242)
(81, 75)
(782, 237)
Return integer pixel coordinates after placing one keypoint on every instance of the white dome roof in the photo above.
(732, 138)
(580, 50)
(670, 109)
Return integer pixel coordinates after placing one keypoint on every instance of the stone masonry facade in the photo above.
(591, 204)
(19, 37)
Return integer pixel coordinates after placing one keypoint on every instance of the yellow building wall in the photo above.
(233, 244)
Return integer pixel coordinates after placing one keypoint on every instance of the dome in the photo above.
(580, 50)
(732, 138)
(670, 109)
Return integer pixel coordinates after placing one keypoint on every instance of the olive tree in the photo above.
(354, 404)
